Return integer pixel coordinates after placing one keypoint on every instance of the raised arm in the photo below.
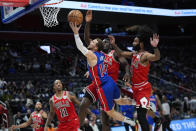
(23, 125)
(125, 64)
(119, 52)
(88, 19)
(91, 57)
(154, 42)
(74, 99)
(50, 116)
(127, 75)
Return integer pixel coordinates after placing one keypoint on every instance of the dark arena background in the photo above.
(33, 56)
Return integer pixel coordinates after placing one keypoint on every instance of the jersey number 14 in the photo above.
(103, 69)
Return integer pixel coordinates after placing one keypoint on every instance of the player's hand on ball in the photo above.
(112, 39)
(89, 16)
(155, 40)
(74, 27)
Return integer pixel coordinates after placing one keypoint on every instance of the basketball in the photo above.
(75, 16)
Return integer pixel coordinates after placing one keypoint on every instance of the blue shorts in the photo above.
(150, 119)
(107, 93)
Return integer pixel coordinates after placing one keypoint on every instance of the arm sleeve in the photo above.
(80, 45)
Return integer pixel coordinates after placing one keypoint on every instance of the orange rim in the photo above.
(53, 3)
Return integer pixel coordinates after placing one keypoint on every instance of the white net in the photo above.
(49, 15)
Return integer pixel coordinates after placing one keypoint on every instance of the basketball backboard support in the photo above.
(9, 14)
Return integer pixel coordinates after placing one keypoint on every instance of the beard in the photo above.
(106, 50)
(38, 109)
(137, 47)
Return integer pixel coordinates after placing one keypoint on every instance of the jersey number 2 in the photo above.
(63, 112)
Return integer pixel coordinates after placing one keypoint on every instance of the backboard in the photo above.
(9, 14)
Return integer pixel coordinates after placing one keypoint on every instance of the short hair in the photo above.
(99, 44)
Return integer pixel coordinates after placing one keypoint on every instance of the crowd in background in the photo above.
(27, 73)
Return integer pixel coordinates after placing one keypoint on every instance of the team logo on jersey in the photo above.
(63, 103)
(108, 60)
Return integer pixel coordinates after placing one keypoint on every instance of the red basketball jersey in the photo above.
(139, 72)
(38, 120)
(64, 108)
(112, 65)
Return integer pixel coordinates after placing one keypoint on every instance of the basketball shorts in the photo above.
(141, 94)
(72, 125)
(91, 93)
(107, 93)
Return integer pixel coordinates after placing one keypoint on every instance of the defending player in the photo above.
(37, 118)
(140, 65)
(113, 63)
(104, 83)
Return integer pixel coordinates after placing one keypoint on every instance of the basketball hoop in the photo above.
(49, 14)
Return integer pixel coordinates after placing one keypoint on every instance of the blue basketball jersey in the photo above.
(98, 73)
(153, 99)
(106, 88)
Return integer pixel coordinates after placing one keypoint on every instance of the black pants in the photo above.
(127, 127)
(166, 123)
(141, 116)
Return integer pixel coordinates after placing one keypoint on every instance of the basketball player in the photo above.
(140, 65)
(104, 83)
(62, 104)
(37, 118)
(153, 112)
(113, 63)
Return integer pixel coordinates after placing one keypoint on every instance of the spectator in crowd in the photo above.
(193, 105)
(166, 114)
(186, 105)
(19, 120)
(87, 127)
(51, 127)
(93, 123)
(2, 83)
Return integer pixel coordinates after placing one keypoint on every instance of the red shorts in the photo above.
(91, 90)
(69, 126)
(40, 129)
(141, 94)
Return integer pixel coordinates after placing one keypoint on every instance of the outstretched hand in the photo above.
(126, 77)
(75, 28)
(89, 16)
(155, 40)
